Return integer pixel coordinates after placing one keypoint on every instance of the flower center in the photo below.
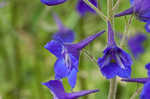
(66, 57)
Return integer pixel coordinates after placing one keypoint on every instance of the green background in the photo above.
(27, 25)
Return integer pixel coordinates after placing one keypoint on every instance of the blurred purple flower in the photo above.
(83, 8)
(2, 4)
(64, 34)
(147, 26)
(115, 60)
(146, 81)
(58, 91)
(68, 57)
(52, 2)
(141, 8)
(135, 44)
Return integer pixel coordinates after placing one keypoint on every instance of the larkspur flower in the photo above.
(146, 81)
(135, 44)
(141, 8)
(64, 34)
(115, 60)
(83, 8)
(68, 57)
(58, 91)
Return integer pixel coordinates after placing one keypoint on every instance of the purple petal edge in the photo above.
(52, 3)
(88, 40)
(82, 93)
(138, 80)
(126, 12)
(111, 40)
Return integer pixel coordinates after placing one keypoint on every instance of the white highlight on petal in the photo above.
(107, 61)
(55, 97)
(120, 62)
(67, 59)
(148, 27)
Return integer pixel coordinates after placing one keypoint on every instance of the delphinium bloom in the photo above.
(115, 62)
(67, 55)
(63, 34)
(141, 8)
(83, 8)
(58, 91)
(146, 81)
(135, 44)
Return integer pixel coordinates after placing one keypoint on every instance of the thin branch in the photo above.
(136, 93)
(92, 58)
(126, 31)
(116, 5)
(101, 14)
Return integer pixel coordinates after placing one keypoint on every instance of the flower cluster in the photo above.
(115, 60)
(141, 9)
(67, 53)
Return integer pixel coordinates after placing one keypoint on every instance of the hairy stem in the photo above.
(116, 5)
(92, 58)
(126, 31)
(136, 93)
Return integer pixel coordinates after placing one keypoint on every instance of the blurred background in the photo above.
(26, 26)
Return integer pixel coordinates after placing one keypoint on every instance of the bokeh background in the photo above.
(27, 25)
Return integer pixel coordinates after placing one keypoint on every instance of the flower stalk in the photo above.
(113, 82)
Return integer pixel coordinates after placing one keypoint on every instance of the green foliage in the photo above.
(26, 26)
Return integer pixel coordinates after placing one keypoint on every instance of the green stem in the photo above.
(101, 14)
(136, 93)
(126, 31)
(93, 59)
(82, 79)
(116, 5)
(112, 88)
(110, 13)
(113, 82)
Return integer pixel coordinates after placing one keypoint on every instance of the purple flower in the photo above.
(52, 2)
(148, 68)
(115, 60)
(135, 44)
(58, 91)
(68, 57)
(64, 34)
(147, 26)
(83, 8)
(146, 81)
(141, 8)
